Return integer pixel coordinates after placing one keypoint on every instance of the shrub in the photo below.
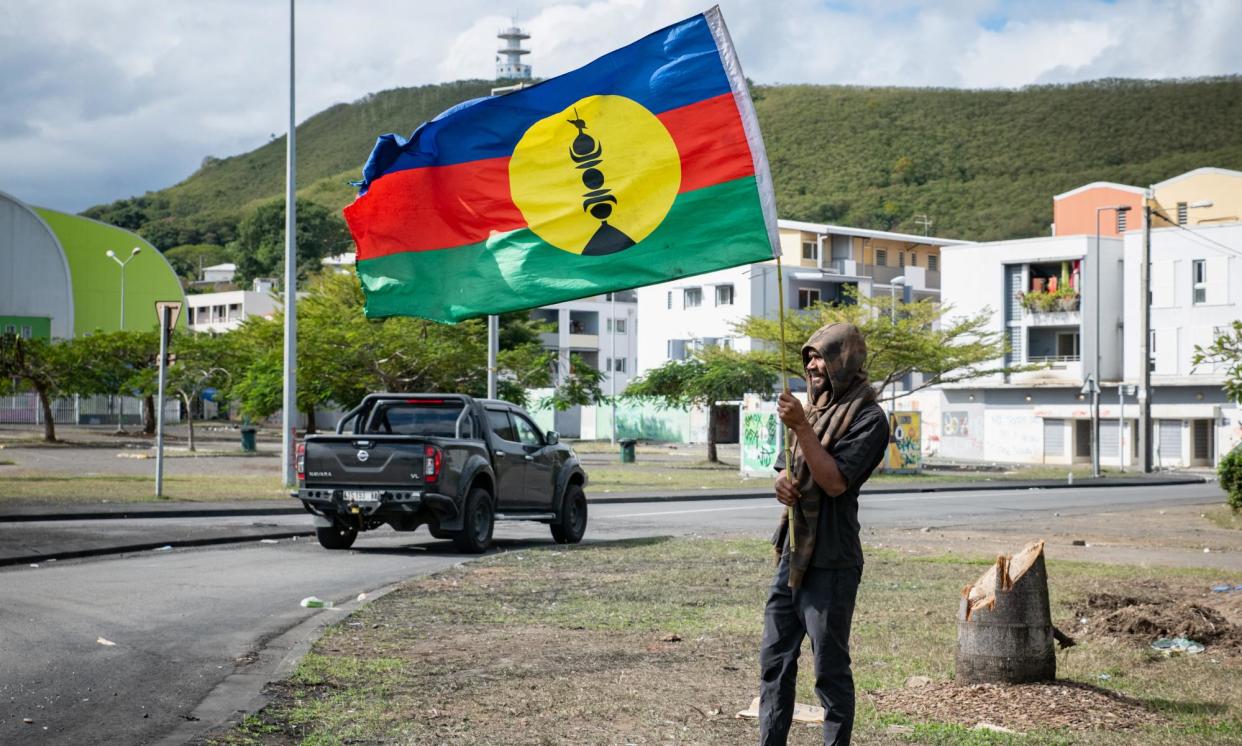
(1230, 473)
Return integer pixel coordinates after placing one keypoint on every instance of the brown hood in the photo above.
(845, 354)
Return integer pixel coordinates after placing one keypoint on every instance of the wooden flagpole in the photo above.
(780, 295)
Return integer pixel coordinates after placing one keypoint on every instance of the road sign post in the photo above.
(168, 313)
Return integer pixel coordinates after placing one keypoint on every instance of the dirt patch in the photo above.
(1152, 610)
(1022, 707)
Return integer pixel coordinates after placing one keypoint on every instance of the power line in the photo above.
(1197, 236)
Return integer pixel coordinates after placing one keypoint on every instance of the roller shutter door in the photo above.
(1054, 437)
(1170, 441)
(1108, 439)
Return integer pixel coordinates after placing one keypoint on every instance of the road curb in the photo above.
(173, 511)
(147, 546)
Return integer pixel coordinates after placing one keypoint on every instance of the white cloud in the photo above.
(107, 99)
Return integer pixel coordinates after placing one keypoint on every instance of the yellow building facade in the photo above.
(1204, 196)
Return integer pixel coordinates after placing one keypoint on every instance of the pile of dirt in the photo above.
(1021, 707)
(1146, 617)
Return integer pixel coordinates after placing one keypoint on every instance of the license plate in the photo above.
(362, 496)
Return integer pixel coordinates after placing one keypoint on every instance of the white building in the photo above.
(1043, 415)
(820, 261)
(224, 311)
(219, 273)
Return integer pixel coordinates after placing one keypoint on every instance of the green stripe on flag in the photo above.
(707, 229)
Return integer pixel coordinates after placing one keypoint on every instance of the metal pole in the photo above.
(612, 374)
(165, 322)
(1144, 391)
(123, 293)
(1121, 426)
(493, 346)
(1096, 266)
(289, 403)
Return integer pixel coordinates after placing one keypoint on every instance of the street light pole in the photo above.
(892, 317)
(1098, 270)
(120, 410)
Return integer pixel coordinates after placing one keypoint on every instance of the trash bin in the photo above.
(247, 438)
(627, 450)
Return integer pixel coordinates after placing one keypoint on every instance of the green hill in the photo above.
(983, 164)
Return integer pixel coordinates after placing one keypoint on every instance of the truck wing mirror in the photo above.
(553, 437)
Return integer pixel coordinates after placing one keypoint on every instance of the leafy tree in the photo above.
(923, 338)
(44, 365)
(710, 375)
(343, 356)
(120, 362)
(1225, 350)
(260, 246)
(581, 388)
(203, 360)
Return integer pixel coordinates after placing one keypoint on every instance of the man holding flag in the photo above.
(839, 442)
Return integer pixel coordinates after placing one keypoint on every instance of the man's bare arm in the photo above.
(824, 469)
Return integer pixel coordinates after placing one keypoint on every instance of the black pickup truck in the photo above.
(451, 462)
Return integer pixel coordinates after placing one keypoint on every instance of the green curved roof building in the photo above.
(57, 280)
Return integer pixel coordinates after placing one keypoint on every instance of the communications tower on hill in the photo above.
(509, 58)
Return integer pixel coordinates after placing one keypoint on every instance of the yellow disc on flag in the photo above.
(596, 178)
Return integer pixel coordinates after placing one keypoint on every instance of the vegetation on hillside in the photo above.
(982, 164)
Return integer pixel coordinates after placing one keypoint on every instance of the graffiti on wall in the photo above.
(905, 451)
(762, 436)
(955, 425)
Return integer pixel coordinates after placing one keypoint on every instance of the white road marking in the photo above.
(699, 510)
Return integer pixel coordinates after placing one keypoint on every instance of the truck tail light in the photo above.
(301, 462)
(433, 459)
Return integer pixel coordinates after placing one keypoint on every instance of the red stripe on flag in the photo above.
(439, 207)
(419, 209)
(711, 140)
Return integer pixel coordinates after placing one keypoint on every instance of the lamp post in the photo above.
(1095, 371)
(1144, 389)
(120, 412)
(112, 255)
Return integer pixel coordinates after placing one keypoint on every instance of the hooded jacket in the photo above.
(844, 351)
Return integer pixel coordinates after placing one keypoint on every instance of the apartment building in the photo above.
(225, 310)
(819, 261)
(1068, 324)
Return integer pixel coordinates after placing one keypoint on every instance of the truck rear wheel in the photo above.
(477, 524)
(336, 536)
(571, 525)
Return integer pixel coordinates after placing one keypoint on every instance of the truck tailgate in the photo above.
(364, 461)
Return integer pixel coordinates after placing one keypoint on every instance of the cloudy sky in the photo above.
(104, 99)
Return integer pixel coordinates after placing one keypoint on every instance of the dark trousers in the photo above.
(822, 608)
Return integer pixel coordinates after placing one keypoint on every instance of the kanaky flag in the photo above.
(644, 166)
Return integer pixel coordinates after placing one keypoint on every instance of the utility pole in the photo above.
(924, 221)
(290, 401)
(1144, 298)
(493, 346)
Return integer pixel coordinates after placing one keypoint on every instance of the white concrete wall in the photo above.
(1180, 324)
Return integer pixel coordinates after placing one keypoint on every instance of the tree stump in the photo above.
(1004, 624)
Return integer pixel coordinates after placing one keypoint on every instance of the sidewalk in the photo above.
(31, 534)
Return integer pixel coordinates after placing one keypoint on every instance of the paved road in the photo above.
(188, 622)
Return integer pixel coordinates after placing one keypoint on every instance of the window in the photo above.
(27, 332)
(527, 433)
(1067, 345)
(676, 349)
(881, 258)
(619, 365)
(1151, 350)
(901, 259)
(619, 324)
(807, 296)
(810, 250)
(1121, 220)
(914, 259)
(724, 295)
(670, 299)
(1183, 213)
(1198, 273)
(501, 426)
(10, 328)
(933, 262)
(692, 298)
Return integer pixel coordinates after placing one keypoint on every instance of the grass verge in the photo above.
(1224, 517)
(656, 641)
(62, 488)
